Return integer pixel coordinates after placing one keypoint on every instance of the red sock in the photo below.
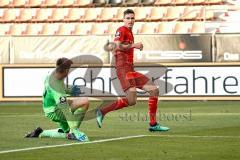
(152, 107)
(123, 102)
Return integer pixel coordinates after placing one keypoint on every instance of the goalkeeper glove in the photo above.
(75, 90)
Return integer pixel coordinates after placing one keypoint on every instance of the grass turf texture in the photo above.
(217, 122)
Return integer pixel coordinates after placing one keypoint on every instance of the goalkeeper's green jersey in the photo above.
(54, 93)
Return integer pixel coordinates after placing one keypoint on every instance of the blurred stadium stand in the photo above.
(67, 17)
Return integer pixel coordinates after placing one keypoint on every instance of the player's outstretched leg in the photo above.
(129, 100)
(103, 110)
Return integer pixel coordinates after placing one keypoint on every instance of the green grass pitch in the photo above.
(199, 130)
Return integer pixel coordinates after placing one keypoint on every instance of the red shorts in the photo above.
(127, 83)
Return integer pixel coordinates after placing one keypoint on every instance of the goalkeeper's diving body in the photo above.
(67, 113)
(123, 48)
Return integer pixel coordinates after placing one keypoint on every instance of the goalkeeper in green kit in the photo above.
(67, 113)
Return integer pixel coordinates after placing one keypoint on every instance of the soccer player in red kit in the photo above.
(123, 48)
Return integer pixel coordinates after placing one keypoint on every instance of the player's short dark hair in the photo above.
(62, 64)
(128, 11)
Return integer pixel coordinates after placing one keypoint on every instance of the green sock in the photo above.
(77, 118)
(52, 133)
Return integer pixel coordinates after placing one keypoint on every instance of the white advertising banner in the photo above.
(24, 82)
(95, 81)
(47, 49)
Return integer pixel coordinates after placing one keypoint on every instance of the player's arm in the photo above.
(118, 45)
(124, 47)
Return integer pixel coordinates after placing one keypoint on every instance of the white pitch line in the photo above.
(115, 139)
(71, 144)
(189, 136)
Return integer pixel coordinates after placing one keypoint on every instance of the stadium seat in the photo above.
(50, 3)
(172, 13)
(115, 2)
(180, 2)
(212, 2)
(130, 2)
(198, 27)
(25, 15)
(34, 3)
(107, 14)
(148, 28)
(49, 29)
(196, 2)
(58, 14)
(141, 13)
(33, 29)
(16, 29)
(147, 2)
(165, 27)
(99, 29)
(65, 29)
(181, 28)
(8, 15)
(65, 3)
(156, 13)
(82, 29)
(42, 15)
(17, 3)
(74, 14)
(222, 7)
(4, 28)
(112, 28)
(99, 3)
(190, 13)
(82, 3)
(91, 14)
(205, 14)
(119, 15)
(5, 3)
(137, 27)
(163, 2)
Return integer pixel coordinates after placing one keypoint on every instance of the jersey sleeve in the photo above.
(119, 36)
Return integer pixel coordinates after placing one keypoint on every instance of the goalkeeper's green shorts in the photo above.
(59, 117)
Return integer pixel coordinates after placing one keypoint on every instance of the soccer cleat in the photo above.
(71, 136)
(80, 136)
(158, 128)
(35, 133)
(99, 117)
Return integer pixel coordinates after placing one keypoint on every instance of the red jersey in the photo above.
(125, 36)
